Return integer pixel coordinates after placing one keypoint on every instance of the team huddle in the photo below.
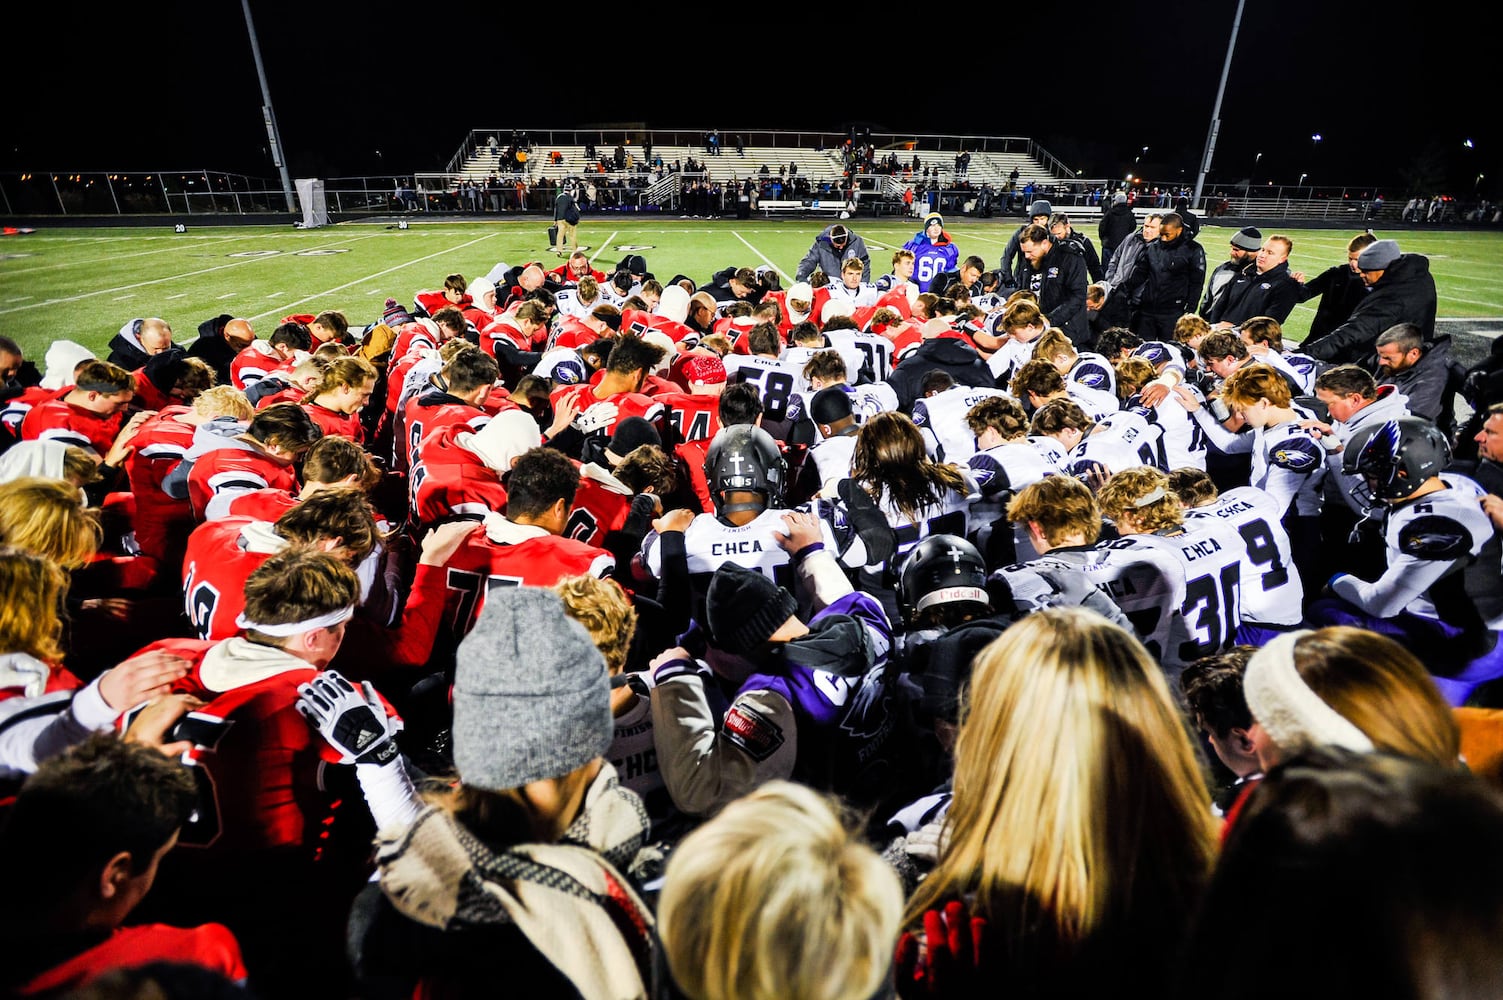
(665, 547)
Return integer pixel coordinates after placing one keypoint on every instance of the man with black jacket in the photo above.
(1056, 273)
(1262, 288)
(1038, 215)
(1340, 289)
(1400, 289)
(1171, 282)
(945, 349)
(1245, 244)
(1117, 224)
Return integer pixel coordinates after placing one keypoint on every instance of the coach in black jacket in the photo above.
(1263, 288)
(1056, 273)
(1171, 282)
(1117, 224)
(1400, 289)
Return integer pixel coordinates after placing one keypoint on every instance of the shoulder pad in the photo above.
(1434, 537)
(1092, 376)
(1297, 454)
(989, 474)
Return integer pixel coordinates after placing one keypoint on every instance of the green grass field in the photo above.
(83, 284)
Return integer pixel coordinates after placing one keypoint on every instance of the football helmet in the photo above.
(1395, 458)
(941, 569)
(745, 457)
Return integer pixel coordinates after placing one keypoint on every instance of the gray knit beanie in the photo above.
(532, 697)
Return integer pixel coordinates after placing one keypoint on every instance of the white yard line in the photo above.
(349, 284)
(609, 239)
(123, 256)
(765, 259)
(163, 280)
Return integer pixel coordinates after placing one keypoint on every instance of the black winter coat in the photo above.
(1405, 294)
(1060, 283)
(948, 354)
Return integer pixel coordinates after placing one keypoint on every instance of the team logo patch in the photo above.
(1091, 379)
(1297, 455)
(1434, 537)
(752, 731)
(255, 253)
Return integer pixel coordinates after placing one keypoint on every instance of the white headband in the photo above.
(1291, 713)
(297, 628)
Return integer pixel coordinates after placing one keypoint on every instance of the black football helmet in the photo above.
(941, 569)
(1395, 458)
(745, 457)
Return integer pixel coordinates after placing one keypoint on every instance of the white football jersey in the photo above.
(1272, 593)
(874, 349)
(944, 415)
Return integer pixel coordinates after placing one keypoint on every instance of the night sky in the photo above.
(382, 88)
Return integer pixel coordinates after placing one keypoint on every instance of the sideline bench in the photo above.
(814, 206)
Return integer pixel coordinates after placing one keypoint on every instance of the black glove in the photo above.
(352, 720)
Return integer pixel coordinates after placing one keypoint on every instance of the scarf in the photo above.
(569, 899)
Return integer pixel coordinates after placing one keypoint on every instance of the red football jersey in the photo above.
(563, 276)
(432, 301)
(693, 455)
(572, 333)
(628, 404)
(58, 420)
(162, 522)
(220, 557)
(148, 396)
(432, 412)
(219, 475)
(448, 481)
(291, 394)
(534, 560)
(410, 338)
(208, 946)
(261, 505)
(15, 409)
(600, 506)
(333, 422)
(256, 362)
(504, 326)
(693, 417)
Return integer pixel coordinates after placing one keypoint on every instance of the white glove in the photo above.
(924, 842)
(351, 719)
(597, 417)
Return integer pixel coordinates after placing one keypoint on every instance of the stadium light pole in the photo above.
(1226, 68)
(272, 132)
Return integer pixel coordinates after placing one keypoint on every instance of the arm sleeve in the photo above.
(1229, 442)
(34, 729)
(808, 264)
(705, 765)
(1405, 579)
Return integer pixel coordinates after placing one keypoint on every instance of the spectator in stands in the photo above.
(1037, 851)
(832, 248)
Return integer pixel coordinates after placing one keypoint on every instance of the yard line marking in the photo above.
(112, 257)
(377, 274)
(179, 295)
(122, 298)
(763, 256)
(20, 298)
(169, 278)
(608, 241)
(227, 295)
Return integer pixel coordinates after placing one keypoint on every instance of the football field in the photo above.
(83, 284)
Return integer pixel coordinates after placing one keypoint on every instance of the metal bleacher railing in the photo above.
(496, 171)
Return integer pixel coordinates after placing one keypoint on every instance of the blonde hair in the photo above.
(776, 898)
(1382, 689)
(1061, 506)
(1126, 492)
(47, 517)
(1133, 374)
(1054, 344)
(602, 608)
(31, 592)
(1078, 794)
(223, 401)
(343, 372)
